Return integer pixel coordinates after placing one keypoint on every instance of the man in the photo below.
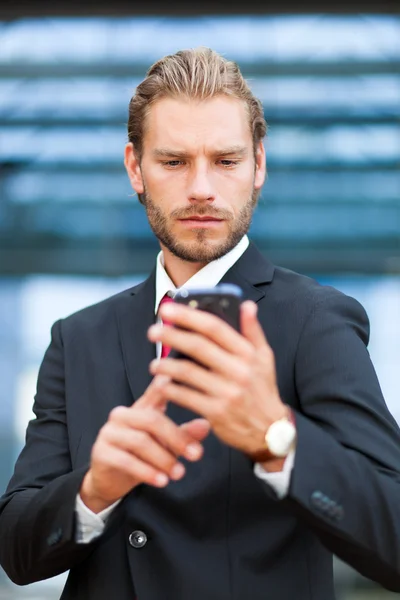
(236, 475)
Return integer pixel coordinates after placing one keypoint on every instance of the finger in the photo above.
(191, 399)
(206, 324)
(195, 376)
(133, 467)
(153, 396)
(160, 427)
(143, 446)
(197, 428)
(250, 325)
(202, 350)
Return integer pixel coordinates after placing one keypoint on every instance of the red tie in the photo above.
(165, 350)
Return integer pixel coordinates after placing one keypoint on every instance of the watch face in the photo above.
(280, 437)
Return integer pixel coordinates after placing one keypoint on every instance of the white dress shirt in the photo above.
(91, 525)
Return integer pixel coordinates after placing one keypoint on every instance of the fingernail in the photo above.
(161, 480)
(153, 364)
(251, 307)
(193, 451)
(177, 471)
(154, 331)
(254, 308)
(161, 380)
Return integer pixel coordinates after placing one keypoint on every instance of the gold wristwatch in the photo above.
(280, 438)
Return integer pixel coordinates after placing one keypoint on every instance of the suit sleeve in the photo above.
(346, 478)
(37, 512)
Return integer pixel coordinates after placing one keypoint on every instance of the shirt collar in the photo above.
(208, 276)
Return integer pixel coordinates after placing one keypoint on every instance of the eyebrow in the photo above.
(237, 150)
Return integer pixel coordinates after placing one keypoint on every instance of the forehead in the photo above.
(190, 124)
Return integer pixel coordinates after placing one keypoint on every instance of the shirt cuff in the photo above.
(280, 480)
(89, 524)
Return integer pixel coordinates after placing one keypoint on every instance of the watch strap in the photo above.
(264, 454)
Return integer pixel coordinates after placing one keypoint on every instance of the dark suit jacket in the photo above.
(220, 533)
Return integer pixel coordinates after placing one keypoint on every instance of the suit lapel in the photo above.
(249, 272)
(135, 314)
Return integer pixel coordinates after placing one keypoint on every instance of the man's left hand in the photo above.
(232, 382)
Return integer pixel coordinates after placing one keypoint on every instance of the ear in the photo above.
(133, 169)
(261, 166)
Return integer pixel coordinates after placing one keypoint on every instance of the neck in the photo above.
(179, 271)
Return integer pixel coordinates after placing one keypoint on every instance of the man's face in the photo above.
(198, 175)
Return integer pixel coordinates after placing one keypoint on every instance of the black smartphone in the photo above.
(223, 300)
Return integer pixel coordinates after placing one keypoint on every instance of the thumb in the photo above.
(153, 396)
(250, 326)
(198, 428)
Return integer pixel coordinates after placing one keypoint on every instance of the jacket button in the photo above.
(137, 539)
(318, 499)
(331, 509)
(339, 513)
(54, 538)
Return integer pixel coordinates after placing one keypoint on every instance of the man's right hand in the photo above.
(139, 444)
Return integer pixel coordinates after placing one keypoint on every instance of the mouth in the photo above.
(203, 221)
(201, 218)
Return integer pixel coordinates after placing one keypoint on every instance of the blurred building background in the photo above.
(71, 233)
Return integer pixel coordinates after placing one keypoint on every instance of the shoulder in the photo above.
(310, 297)
(100, 311)
(317, 303)
(307, 290)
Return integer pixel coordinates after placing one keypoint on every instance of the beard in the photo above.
(202, 249)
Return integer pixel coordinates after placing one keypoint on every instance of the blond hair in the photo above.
(195, 74)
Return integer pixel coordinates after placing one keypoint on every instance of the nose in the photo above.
(201, 187)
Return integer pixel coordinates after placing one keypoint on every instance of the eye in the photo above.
(229, 163)
(172, 163)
